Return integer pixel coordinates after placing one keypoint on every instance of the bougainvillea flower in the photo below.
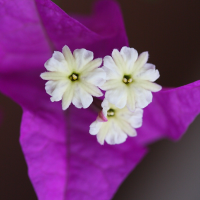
(64, 160)
(129, 79)
(114, 124)
(73, 77)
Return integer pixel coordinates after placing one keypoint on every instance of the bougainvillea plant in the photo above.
(64, 160)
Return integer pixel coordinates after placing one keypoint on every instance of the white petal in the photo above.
(91, 66)
(67, 97)
(126, 128)
(150, 86)
(117, 96)
(57, 63)
(129, 55)
(81, 98)
(96, 77)
(148, 66)
(103, 132)
(140, 62)
(111, 84)
(59, 90)
(131, 100)
(95, 127)
(50, 86)
(68, 57)
(109, 63)
(149, 73)
(86, 98)
(91, 89)
(120, 63)
(110, 74)
(106, 106)
(143, 97)
(136, 119)
(53, 76)
(76, 100)
(115, 135)
(82, 57)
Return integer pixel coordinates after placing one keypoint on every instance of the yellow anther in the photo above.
(125, 80)
(110, 113)
(130, 80)
(74, 77)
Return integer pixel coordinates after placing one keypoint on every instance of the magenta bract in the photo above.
(64, 160)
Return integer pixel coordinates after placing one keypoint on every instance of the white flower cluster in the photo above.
(126, 78)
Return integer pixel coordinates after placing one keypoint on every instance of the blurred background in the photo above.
(170, 31)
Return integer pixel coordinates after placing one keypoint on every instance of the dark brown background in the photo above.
(170, 31)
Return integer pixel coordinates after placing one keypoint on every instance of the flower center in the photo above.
(127, 79)
(73, 77)
(110, 112)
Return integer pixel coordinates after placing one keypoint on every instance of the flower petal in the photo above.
(57, 63)
(143, 97)
(76, 100)
(96, 77)
(91, 89)
(109, 63)
(110, 74)
(105, 127)
(115, 135)
(125, 126)
(50, 86)
(86, 98)
(54, 76)
(140, 62)
(67, 97)
(59, 90)
(129, 55)
(68, 57)
(136, 119)
(120, 63)
(110, 84)
(82, 58)
(117, 96)
(81, 98)
(91, 66)
(131, 101)
(95, 127)
(150, 86)
(149, 73)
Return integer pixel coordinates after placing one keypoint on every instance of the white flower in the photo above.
(114, 124)
(73, 78)
(129, 79)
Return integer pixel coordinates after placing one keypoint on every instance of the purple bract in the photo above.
(64, 160)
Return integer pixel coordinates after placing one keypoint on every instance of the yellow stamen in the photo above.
(74, 77)
(130, 80)
(125, 80)
(110, 113)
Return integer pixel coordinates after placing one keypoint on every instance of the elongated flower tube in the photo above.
(73, 78)
(129, 79)
(114, 125)
(64, 161)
